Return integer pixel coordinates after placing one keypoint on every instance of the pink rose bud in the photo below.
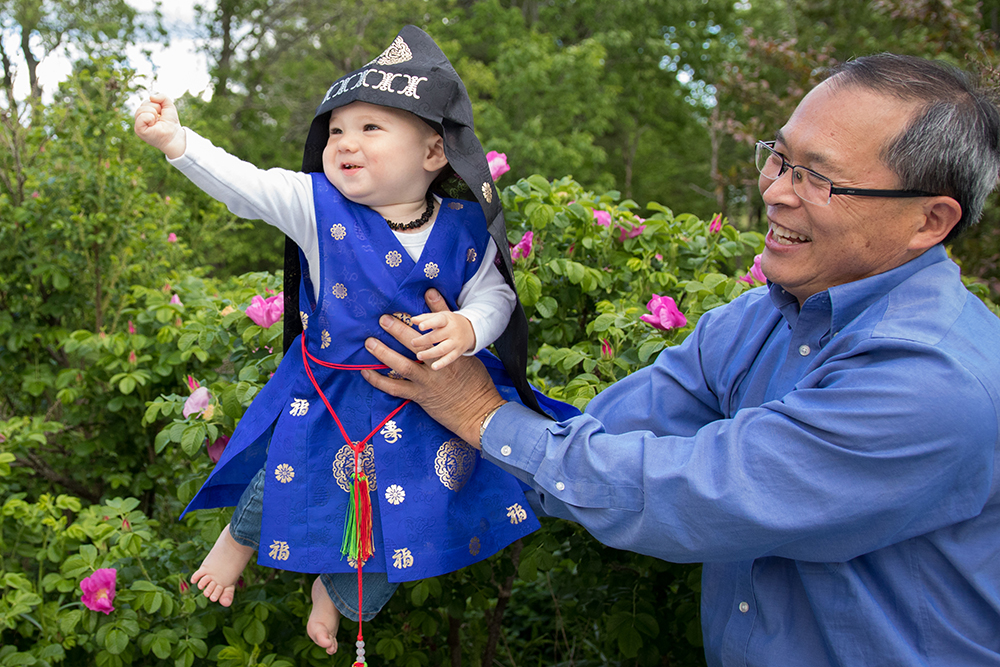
(192, 383)
(216, 448)
(131, 357)
(664, 313)
(196, 402)
(171, 238)
(176, 300)
(523, 247)
(716, 225)
(498, 164)
(265, 312)
(131, 327)
(607, 351)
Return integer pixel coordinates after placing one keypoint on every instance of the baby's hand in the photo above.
(157, 123)
(450, 337)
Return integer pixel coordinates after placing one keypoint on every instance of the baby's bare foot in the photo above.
(324, 619)
(221, 569)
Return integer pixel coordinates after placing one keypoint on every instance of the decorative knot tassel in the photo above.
(358, 542)
(366, 540)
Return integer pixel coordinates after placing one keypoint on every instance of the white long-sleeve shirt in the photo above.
(284, 199)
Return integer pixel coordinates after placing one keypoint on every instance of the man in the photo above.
(827, 444)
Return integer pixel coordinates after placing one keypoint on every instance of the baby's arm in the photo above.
(485, 305)
(277, 196)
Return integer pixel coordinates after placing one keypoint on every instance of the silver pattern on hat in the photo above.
(398, 52)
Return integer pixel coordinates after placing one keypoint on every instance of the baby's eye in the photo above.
(336, 130)
(371, 126)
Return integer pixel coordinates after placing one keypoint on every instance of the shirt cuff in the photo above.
(514, 440)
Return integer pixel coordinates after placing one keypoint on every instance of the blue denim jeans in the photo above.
(244, 527)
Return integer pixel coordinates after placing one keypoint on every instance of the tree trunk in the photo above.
(503, 597)
(455, 641)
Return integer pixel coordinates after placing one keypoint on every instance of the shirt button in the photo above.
(744, 607)
(505, 450)
(804, 350)
(560, 486)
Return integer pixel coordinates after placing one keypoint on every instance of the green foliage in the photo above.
(585, 284)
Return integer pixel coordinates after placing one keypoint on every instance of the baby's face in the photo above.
(379, 156)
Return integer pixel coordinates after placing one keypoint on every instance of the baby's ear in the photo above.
(435, 160)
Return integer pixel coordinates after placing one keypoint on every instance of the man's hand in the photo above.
(450, 337)
(157, 123)
(457, 397)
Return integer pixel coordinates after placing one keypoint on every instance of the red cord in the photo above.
(357, 448)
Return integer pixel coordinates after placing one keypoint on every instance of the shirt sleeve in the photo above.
(487, 301)
(279, 197)
(867, 457)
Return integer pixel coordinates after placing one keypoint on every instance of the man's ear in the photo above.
(940, 215)
(435, 160)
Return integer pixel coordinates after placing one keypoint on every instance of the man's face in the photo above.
(379, 156)
(838, 131)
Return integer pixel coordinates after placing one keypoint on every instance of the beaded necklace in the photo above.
(414, 224)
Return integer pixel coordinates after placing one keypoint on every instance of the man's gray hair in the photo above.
(951, 145)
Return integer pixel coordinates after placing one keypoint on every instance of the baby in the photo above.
(374, 236)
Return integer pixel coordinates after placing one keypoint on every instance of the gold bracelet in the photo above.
(486, 420)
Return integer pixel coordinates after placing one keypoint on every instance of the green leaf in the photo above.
(604, 322)
(116, 641)
(528, 286)
(162, 438)
(255, 632)
(192, 439)
(629, 641)
(419, 593)
(547, 307)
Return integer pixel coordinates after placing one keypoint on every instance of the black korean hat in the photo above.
(414, 75)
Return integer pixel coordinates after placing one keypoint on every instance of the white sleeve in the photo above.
(279, 197)
(487, 301)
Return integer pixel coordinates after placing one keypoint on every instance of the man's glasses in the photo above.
(811, 186)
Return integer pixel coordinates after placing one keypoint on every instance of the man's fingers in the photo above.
(435, 301)
(397, 388)
(404, 334)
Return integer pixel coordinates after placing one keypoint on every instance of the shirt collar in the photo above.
(849, 300)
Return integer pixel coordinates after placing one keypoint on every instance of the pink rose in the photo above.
(658, 257)
(716, 225)
(603, 218)
(171, 238)
(197, 402)
(176, 300)
(756, 271)
(523, 247)
(498, 164)
(216, 448)
(265, 312)
(664, 313)
(99, 590)
(631, 233)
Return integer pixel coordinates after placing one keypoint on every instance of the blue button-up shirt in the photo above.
(834, 466)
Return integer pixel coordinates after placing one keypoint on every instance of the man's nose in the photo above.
(779, 190)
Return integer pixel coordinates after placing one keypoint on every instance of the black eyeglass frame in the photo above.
(834, 190)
